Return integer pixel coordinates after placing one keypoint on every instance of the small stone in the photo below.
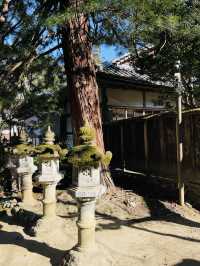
(188, 204)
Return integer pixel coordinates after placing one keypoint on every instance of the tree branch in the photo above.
(50, 50)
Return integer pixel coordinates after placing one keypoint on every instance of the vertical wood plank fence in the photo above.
(148, 145)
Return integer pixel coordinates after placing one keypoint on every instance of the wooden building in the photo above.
(124, 93)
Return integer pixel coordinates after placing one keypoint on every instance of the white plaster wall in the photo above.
(119, 97)
(151, 97)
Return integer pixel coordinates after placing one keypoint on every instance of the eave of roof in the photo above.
(105, 79)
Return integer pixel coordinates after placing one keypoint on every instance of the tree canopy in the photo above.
(157, 33)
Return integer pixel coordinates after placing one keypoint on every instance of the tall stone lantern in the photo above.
(86, 160)
(25, 168)
(48, 177)
(87, 189)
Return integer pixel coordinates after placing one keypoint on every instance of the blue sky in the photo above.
(110, 52)
(107, 52)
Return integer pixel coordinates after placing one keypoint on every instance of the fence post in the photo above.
(179, 133)
(146, 146)
(179, 151)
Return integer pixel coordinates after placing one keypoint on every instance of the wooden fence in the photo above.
(148, 145)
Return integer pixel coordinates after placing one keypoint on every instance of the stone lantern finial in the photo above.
(23, 136)
(49, 136)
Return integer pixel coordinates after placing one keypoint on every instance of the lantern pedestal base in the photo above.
(97, 256)
(46, 225)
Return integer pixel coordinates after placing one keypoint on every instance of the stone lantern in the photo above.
(48, 177)
(87, 189)
(25, 169)
(86, 159)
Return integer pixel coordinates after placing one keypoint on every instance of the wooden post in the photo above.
(179, 141)
(146, 146)
(179, 144)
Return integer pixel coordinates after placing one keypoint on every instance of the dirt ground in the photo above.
(133, 231)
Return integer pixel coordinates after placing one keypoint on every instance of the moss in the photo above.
(107, 157)
(84, 155)
(87, 154)
(86, 133)
(49, 151)
(20, 146)
(23, 149)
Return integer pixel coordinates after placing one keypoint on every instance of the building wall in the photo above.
(132, 98)
(153, 99)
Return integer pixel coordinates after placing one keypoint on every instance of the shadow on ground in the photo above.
(116, 223)
(67, 202)
(152, 195)
(24, 218)
(15, 238)
(188, 262)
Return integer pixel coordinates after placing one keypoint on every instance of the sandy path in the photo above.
(172, 239)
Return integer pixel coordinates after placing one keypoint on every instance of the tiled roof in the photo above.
(129, 74)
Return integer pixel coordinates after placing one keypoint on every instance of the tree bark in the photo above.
(81, 76)
(81, 79)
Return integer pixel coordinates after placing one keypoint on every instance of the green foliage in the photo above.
(86, 133)
(157, 33)
(167, 31)
(31, 77)
(107, 158)
(46, 152)
(87, 153)
(23, 149)
(32, 81)
(84, 155)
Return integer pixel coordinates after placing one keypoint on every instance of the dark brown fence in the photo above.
(148, 145)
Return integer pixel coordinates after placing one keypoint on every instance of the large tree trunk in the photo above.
(81, 79)
(81, 76)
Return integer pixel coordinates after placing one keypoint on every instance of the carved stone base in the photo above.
(93, 257)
